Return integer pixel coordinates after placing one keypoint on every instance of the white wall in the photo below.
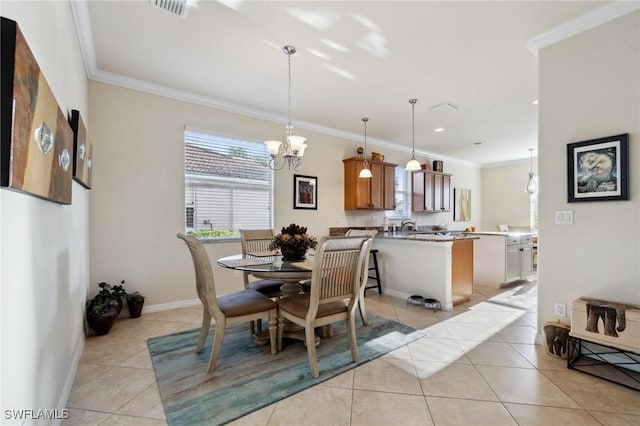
(137, 200)
(504, 200)
(43, 245)
(589, 88)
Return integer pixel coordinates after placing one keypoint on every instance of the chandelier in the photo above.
(532, 186)
(413, 164)
(291, 151)
(365, 172)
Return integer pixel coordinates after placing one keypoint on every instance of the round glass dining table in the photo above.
(272, 267)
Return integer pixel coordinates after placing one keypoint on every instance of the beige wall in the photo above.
(138, 199)
(44, 246)
(504, 200)
(589, 88)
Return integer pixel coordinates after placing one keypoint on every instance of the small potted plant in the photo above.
(102, 310)
(135, 301)
(118, 293)
(293, 242)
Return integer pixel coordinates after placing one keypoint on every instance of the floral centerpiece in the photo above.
(293, 242)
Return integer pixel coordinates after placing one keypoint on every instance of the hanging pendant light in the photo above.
(413, 164)
(292, 150)
(532, 186)
(365, 172)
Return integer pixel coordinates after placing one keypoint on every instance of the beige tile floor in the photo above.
(478, 365)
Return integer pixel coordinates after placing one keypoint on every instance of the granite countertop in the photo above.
(437, 236)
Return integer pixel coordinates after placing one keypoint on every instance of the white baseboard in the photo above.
(68, 383)
(171, 305)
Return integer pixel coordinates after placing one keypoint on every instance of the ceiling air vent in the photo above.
(177, 7)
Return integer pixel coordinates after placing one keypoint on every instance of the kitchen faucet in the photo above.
(406, 223)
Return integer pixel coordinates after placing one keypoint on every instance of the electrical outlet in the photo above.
(561, 310)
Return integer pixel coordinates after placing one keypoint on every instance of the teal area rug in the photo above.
(248, 377)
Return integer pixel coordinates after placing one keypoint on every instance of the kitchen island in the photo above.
(427, 264)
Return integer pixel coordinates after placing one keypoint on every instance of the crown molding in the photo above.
(80, 12)
(585, 22)
(509, 163)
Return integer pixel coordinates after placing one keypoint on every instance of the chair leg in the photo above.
(204, 331)
(361, 305)
(217, 344)
(280, 332)
(353, 340)
(310, 338)
(272, 332)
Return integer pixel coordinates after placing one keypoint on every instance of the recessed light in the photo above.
(535, 102)
(439, 129)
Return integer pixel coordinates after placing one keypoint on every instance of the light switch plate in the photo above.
(564, 217)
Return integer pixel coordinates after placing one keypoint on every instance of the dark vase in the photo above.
(293, 253)
(135, 307)
(102, 323)
(117, 303)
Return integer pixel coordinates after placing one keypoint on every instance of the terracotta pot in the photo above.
(102, 323)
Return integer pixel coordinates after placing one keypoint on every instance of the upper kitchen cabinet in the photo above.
(431, 191)
(375, 193)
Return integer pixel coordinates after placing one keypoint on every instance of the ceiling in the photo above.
(354, 59)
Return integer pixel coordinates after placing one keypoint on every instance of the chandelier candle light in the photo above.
(413, 164)
(292, 150)
(365, 172)
(531, 187)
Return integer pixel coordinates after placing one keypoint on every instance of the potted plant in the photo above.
(102, 310)
(293, 242)
(135, 301)
(118, 293)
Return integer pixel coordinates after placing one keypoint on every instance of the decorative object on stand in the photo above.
(365, 172)
(425, 166)
(462, 204)
(35, 137)
(293, 242)
(531, 186)
(292, 150)
(437, 166)
(598, 169)
(305, 192)
(360, 152)
(83, 158)
(413, 164)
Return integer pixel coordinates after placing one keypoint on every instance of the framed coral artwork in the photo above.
(35, 137)
(598, 169)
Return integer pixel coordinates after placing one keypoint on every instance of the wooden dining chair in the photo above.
(232, 308)
(255, 241)
(334, 293)
(364, 275)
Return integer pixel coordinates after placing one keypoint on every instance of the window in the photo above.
(403, 196)
(228, 185)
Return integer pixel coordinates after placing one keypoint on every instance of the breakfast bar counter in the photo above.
(435, 266)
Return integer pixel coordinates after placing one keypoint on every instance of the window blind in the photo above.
(228, 185)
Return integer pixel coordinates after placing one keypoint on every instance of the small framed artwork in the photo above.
(462, 204)
(82, 161)
(305, 192)
(598, 169)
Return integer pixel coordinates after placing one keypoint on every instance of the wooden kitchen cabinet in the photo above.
(431, 191)
(376, 193)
